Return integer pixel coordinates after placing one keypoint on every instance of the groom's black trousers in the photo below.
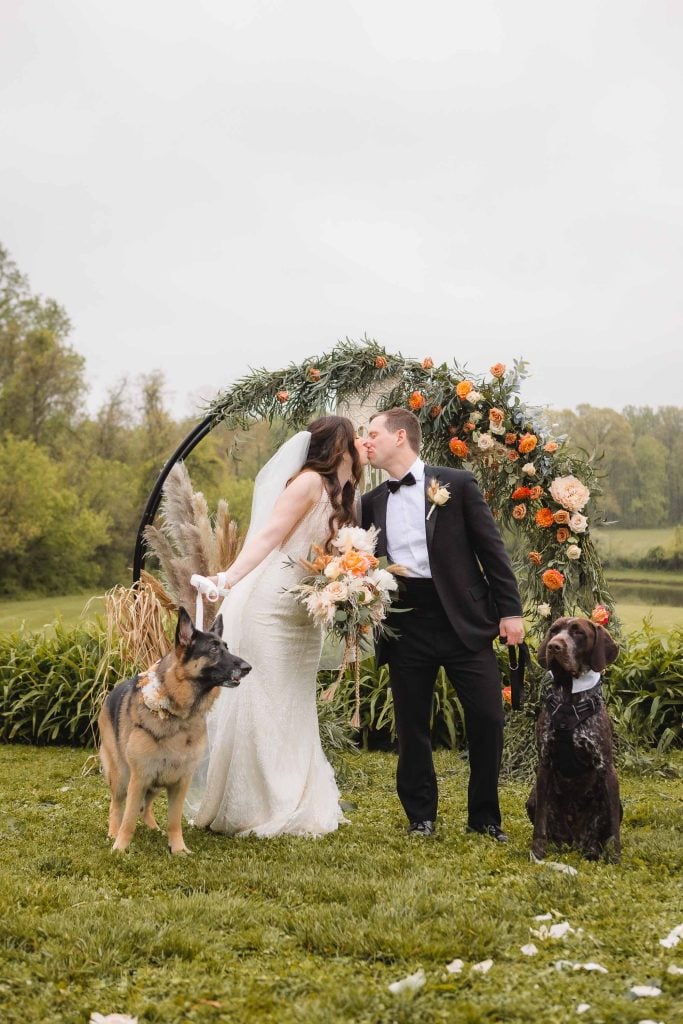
(427, 641)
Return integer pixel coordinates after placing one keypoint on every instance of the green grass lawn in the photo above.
(312, 931)
(614, 542)
(39, 612)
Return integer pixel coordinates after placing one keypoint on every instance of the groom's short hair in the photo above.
(403, 419)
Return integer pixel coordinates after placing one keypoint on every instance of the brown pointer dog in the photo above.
(153, 729)
(575, 800)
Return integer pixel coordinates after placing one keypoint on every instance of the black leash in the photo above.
(519, 659)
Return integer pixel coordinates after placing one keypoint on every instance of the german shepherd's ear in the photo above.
(605, 650)
(217, 626)
(184, 629)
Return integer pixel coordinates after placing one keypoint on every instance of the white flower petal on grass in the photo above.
(648, 1021)
(455, 966)
(598, 968)
(554, 865)
(543, 917)
(582, 1007)
(529, 949)
(555, 931)
(672, 969)
(408, 984)
(483, 967)
(112, 1018)
(673, 938)
(642, 991)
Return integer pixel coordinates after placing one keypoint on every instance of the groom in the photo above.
(461, 593)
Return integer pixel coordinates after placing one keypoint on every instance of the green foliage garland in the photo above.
(489, 431)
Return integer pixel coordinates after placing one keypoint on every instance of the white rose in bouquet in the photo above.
(356, 537)
(578, 523)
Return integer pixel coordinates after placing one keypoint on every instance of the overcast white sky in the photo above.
(215, 185)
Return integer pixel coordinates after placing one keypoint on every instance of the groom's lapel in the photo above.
(430, 523)
(379, 518)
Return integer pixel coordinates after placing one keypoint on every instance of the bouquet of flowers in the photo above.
(349, 594)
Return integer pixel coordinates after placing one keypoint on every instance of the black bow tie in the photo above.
(394, 485)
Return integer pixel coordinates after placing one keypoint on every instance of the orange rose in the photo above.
(427, 363)
(553, 579)
(561, 517)
(562, 534)
(358, 563)
(507, 694)
(544, 517)
(314, 374)
(282, 396)
(551, 447)
(519, 511)
(521, 492)
(496, 416)
(535, 557)
(436, 410)
(498, 369)
(381, 363)
(463, 389)
(510, 438)
(468, 427)
(416, 400)
(535, 492)
(600, 615)
(459, 448)
(512, 455)
(527, 443)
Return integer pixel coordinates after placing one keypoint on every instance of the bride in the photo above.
(266, 773)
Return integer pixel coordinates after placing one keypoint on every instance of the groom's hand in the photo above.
(511, 630)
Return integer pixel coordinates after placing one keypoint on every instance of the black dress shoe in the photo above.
(491, 830)
(421, 828)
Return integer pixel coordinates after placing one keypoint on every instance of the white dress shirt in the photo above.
(406, 529)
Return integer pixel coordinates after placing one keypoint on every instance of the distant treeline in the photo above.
(73, 485)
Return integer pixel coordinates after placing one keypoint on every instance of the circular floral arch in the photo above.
(540, 490)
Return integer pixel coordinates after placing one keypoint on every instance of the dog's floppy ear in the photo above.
(184, 629)
(604, 650)
(217, 626)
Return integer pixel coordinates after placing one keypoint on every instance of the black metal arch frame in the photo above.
(181, 452)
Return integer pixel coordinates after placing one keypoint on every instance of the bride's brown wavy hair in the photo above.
(331, 438)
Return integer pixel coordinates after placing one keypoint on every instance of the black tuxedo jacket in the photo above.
(469, 564)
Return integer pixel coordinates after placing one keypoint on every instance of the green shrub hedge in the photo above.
(51, 687)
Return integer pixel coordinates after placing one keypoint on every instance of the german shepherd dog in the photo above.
(153, 729)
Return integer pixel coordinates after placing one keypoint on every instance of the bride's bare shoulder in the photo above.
(308, 483)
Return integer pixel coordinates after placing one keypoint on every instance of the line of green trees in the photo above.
(73, 484)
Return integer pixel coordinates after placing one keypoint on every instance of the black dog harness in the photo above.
(566, 716)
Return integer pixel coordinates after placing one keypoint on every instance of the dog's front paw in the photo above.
(120, 846)
(179, 849)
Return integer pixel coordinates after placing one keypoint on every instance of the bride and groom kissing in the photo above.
(265, 772)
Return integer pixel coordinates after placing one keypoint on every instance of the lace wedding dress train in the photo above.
(266, 773)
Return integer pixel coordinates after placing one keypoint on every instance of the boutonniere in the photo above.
(437, 495)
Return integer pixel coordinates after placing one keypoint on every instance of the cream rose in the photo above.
(529, 469)
(543, 609)
(474, 396)
(569, 492)
(578, 523)
(337, 591)
(485, 442)
(333, 569)
(573, 552)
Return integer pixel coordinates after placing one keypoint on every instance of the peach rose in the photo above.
(416, 400)
(357, 564)
(519, 511)
(498, 370)
(512, 455)
(544, 517)
(468, 427)
(535, 557)
(436, 410)
(427, 363)
(569, 492)
(381, 363)
(562, 535)
(553, 579)
(510, 438)
(600, 615)
(527, 443)
(496, 416)
(463, 389)
(561, 517)
(535, 492)
(282, 396)
(551, 447)
(574, 552)
(458, 448)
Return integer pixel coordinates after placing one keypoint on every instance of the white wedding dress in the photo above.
(266, 773)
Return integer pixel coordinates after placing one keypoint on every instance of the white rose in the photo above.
(573, 552)
(333, 569)
(355, 537)
(383, 580)
(543, 609)
(485, 442)
(529, 469)
(355, 584)
(499, 429)
(474, 397)
(578, 523)
(569, 492)
(475, 417)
